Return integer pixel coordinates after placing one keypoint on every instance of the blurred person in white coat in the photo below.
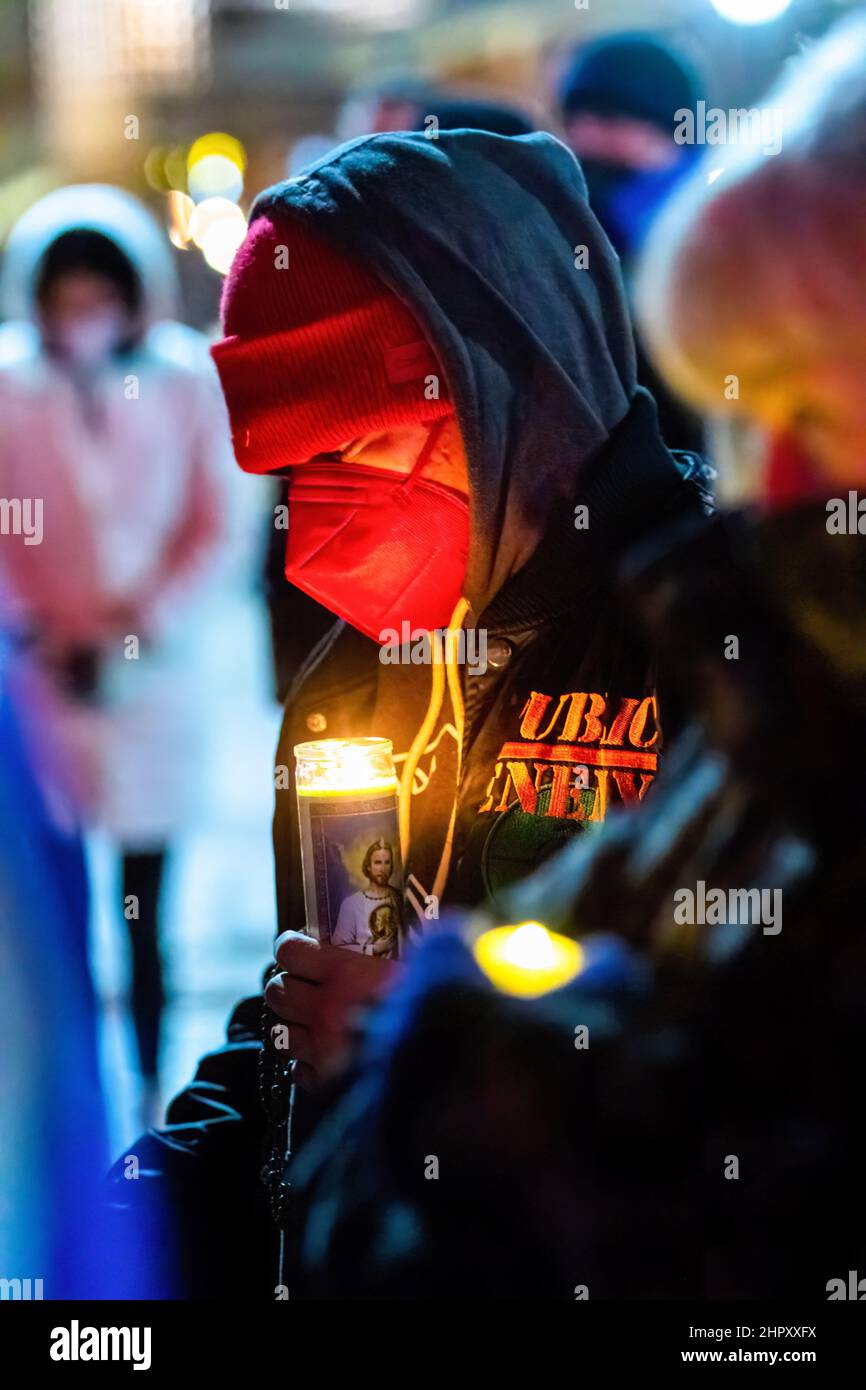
(114, 460)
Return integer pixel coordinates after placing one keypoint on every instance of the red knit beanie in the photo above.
(318, 351)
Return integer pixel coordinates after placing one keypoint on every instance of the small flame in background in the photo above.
(527, 960)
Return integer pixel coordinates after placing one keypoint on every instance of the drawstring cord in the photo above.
(444, 671)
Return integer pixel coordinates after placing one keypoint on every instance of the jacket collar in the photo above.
(631, 486)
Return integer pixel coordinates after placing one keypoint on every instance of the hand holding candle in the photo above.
(320, 993)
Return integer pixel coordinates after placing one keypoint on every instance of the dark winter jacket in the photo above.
(491, 242)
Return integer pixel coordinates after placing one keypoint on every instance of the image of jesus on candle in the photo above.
(369, 920)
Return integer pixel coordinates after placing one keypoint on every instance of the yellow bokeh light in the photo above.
(154, 168)
(527, 960)
(217, 143)
(174, 168)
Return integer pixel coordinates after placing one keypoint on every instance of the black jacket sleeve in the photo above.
(188, 1198)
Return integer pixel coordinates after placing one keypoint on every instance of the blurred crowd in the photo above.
(586, 396)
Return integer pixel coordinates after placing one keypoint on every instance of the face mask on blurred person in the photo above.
(376, 546)
(626, 201)
(90, 339)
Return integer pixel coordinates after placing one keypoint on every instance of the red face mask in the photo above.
(376, 547)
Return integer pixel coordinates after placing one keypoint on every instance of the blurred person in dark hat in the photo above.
(619, 101)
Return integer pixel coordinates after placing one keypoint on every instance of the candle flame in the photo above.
(340, 765)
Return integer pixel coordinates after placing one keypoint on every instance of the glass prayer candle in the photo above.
(347, 810)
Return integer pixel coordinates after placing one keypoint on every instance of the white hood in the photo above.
(92, 207)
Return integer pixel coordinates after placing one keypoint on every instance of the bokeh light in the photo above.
(174, 167)
(215, 167)
(154, 168)
(180, 213)
(217, 226)
(215, 176)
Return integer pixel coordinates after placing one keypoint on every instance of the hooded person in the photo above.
(430, 338)
(116, 443)
(297, 622)
(467, 450)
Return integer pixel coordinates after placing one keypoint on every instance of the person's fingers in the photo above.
(320, 993)
(293, 1043)
(274, 992)
(296, 1001)
(299, 954)
(349, 987)
(312, 1037)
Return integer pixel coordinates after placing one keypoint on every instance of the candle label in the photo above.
(352, 872)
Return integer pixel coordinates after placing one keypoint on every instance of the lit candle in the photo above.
(347, 808)
(527, 960)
